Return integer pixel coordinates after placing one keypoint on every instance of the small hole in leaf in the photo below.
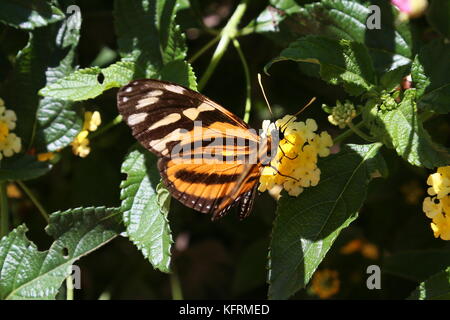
(100, 78)
(65, 252)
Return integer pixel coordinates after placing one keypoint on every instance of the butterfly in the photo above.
(188, 133)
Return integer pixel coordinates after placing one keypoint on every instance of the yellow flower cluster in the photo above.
(295, 165)
(325, 283)
(10, 143)
(80, 146)
(437, 207)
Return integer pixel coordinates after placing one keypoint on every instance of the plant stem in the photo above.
(346, 133)
(204, 49)
(33, 199)
(359, 132)
(106, 127)
(248, 84)
(4, 214)
(69, 288)
(228, 32)
(175, 285)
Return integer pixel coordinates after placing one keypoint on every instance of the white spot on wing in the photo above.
(174, 88)
(192, 113)
(129, 89)
(145, 102)
(160, 144)
(171, 118)
(136, 118)
(155, 93)
(205, 107)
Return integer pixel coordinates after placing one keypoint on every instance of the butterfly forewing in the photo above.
(202, 146)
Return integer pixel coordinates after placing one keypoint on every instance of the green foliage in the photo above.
(435, 288)
(341, 62)
(31, 274)
(151, 25)
(29, 15)
(429, 73)
(22, 167)
(48, 56)
(417, 265)
(405, 129)
(438, 16)
(307, 226)
(89, 83)
(390, 47)
(145, 205)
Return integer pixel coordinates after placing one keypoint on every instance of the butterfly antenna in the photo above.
(307, 105)
(298, 112)
(264, 94)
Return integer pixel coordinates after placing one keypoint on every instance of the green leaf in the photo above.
(392, 79)
(88, 83)
(430, 75)
(145, 205)
(341, 62)
(417, 265)
(438, 16)
(29, 14)
(148, 35)
(435, 288)
(22, 167)
(26, 273)
(181, 72)
(390, 47)
(408, 136)
(49, 55)
(58, 122)
(306, 227)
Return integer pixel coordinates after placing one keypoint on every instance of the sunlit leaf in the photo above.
(26, 273)
(306, 227)
(145, 205)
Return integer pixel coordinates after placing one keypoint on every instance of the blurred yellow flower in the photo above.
(352, 246)
(45, 156)
(12, 191)
(294, 166)
(370, 251)
(91, 120)
(325, 283)
(10, 143)
(437, 207)
(367, 249)
(80, 146)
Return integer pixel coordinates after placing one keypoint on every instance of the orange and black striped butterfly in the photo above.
(180, 126)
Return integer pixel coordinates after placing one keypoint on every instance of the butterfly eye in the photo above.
(281, 134)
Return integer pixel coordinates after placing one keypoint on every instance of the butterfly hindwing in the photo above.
(165, 117)
(207, 187)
